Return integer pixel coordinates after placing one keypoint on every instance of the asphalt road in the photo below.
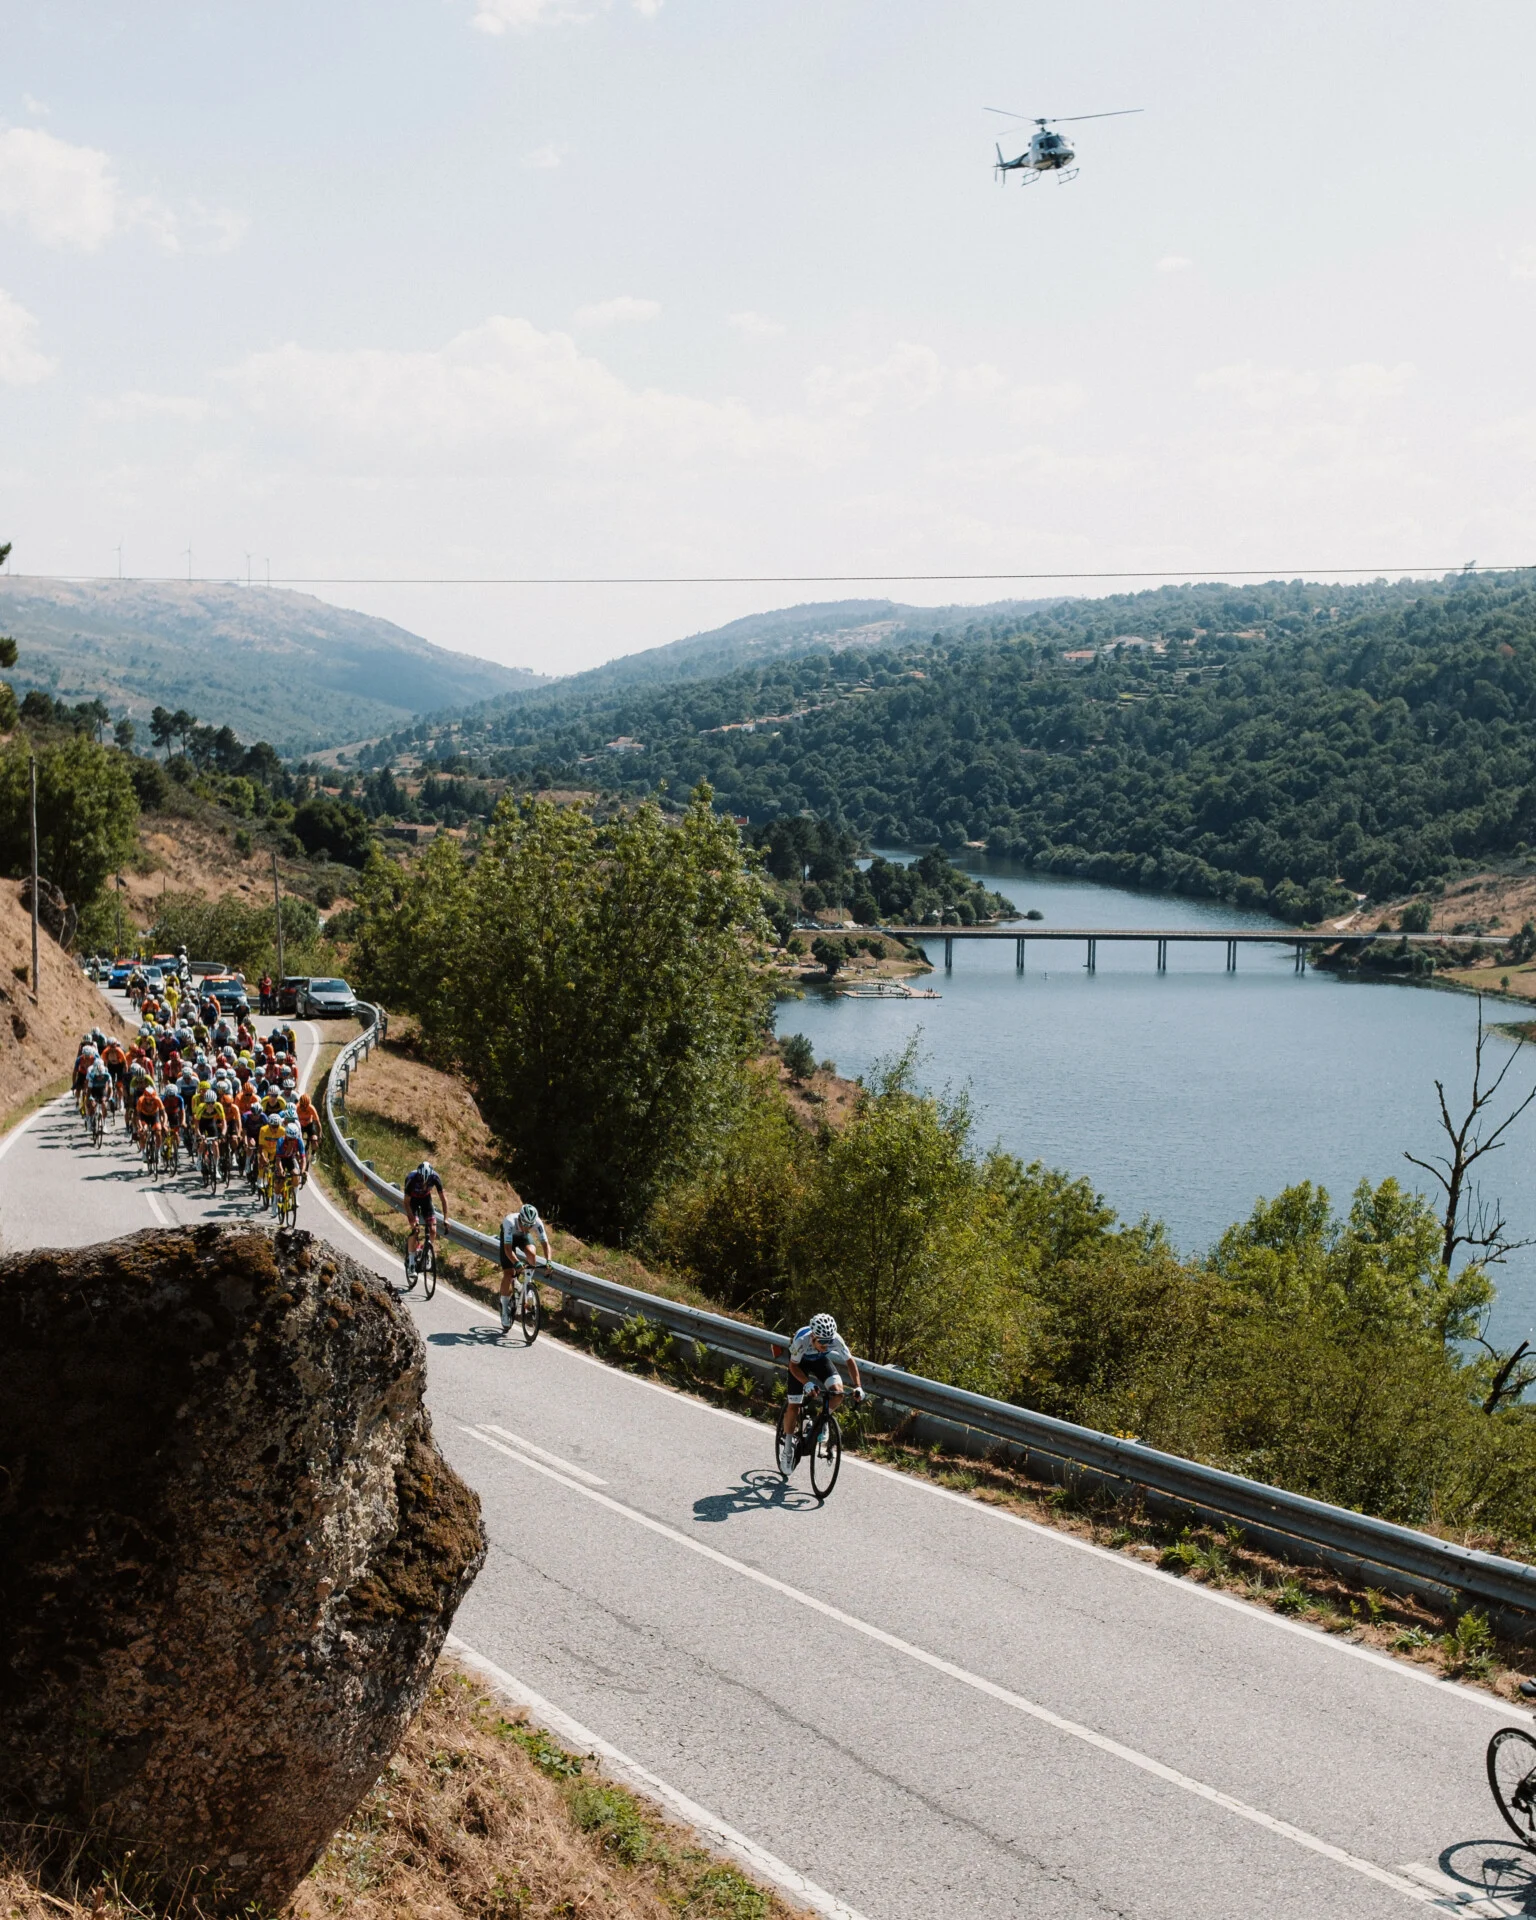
(927, 1707)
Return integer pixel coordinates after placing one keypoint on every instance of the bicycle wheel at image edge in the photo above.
(826, 1456)
(528, 1313)
(1512, 1776)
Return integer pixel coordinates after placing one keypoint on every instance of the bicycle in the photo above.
(818, 1438)
(1512, 1776)
(209, 1146)
(529, 1306)
(285, 1188)
(422, 1266)
(170, 1147)
(96, 1120)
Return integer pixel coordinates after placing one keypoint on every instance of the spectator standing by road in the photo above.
(264, 994)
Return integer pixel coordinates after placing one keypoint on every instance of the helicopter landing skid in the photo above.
(1070, 173)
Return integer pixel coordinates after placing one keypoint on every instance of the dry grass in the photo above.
(481, 1816)
(38, 1041)
(195, 853)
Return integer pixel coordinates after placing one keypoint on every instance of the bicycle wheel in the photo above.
(428, 1271)
(826, 1455)
(528, 1313)
(1512, 1776)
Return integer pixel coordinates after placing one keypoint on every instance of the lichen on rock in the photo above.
(229, 1551)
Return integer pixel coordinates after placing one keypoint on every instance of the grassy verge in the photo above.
(1460, 1647)
(479, 1816)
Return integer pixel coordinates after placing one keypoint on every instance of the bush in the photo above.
(830, 953)
(798, 1055)
(333, 827)
(1415, 917)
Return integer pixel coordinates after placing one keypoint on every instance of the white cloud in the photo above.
(136, 405)
(21, 365)
(521, 16)
(69, 196)
(63, 195)
(1262, 388)
(1367, 380)
(544, 159)
(625, 311)
(503, 397)
(498, 16)
(1174, 263)
(757, 326)
(1522, 263)
(908, 377)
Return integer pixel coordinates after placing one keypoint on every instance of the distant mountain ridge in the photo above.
(273, 664)
(837, 625)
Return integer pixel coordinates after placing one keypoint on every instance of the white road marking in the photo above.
(1059, 1537)
(726, 1839)
(1089, 1736)
(21, 1126)
(518, 1453)
(156, 1209)
(527, 1446)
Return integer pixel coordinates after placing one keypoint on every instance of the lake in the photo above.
(1188, 1094)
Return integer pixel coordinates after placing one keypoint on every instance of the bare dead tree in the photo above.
(1469, 1220)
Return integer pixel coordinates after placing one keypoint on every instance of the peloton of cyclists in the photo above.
(519, 1255)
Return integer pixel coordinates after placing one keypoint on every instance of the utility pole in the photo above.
(37, 991)
(277, 909)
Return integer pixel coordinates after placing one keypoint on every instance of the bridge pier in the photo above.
(1162, 956)
(1018, 953)
(1093, 956)
(1301, 958)
(949, 952)
(1231, 956)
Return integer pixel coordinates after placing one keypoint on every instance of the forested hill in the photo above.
(1258, 745)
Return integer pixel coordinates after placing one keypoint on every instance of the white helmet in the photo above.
(528, 1215)
(822, 1327)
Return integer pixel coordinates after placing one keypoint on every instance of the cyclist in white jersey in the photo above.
(816, 1353)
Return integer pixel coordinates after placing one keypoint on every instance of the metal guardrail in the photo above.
(1292, 1524)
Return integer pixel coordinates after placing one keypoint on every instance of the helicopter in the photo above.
(1047, 152)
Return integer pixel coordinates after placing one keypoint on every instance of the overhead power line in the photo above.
(762, 579)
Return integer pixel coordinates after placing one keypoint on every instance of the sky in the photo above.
(466, 289)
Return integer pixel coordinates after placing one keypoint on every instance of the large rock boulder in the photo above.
(229, 1551)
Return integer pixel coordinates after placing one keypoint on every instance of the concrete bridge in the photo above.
(1161, 937)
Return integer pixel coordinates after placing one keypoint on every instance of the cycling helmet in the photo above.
(528, 1215)
(294, 1131)
(426, 1169)
(822, 1327)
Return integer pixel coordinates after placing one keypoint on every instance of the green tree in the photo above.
(333, 827)
(831, 954)
(86, 814)
(123, 733)
(899, 1236)
(593, 982)
(9, 712)
(798, 1055)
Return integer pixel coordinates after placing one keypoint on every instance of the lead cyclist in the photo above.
(815, 1353)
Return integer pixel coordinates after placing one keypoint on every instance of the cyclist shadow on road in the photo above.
(1500, 1870)
(475, 1336)
(760, 1490)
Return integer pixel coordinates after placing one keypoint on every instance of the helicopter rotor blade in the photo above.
(1005, 113)
(1118, 114)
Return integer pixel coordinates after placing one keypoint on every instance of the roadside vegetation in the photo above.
(593, 987)
(479, 1813)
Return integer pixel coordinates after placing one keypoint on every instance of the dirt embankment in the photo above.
(38, 1040)
(182, 854)
(480, 1814)
(1481, 903)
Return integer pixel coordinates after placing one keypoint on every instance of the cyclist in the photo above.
(309, 1123)
(815, 1353)
(116, 1060)
(290, 1152)
(173, 1107)
(268, 1139)
(98, 1088)
(252, 1120)
(149, 1111)
(518, 1255)
(420, 1184)
(212, 1124)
